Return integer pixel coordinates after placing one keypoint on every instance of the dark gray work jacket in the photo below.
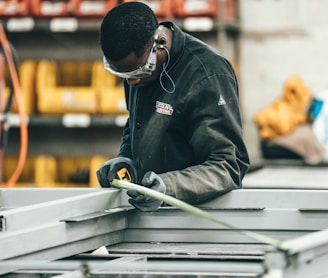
(192, 137)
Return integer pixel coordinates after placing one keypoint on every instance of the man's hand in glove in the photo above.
(117, 168)
(145, 203)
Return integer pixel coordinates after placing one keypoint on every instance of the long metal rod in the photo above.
(307, 242)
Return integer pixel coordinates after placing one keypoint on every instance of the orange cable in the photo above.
(22, 116)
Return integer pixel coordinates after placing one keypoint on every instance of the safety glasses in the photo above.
(142, 72)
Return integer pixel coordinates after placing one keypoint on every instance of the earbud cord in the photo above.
(164, 72)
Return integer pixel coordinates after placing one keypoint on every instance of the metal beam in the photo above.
(61, 223)
(58, 227)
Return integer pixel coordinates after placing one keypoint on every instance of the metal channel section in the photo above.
(52, 233)
(58, 223)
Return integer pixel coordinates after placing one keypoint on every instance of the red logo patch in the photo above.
(164, 108)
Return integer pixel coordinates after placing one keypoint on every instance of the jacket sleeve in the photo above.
(212, 114)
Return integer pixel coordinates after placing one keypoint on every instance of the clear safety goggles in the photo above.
(142, 72)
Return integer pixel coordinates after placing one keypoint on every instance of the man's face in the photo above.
(138, 71)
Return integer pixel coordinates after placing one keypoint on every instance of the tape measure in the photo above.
(123, 174)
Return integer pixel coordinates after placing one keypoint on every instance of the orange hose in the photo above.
(22, 116)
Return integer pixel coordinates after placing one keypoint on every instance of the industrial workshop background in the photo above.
(76, 110)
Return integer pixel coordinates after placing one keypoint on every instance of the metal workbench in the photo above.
(53, 232)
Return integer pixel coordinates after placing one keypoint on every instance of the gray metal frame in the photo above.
(51, 224)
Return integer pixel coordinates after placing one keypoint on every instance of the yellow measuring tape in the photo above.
(194, 210)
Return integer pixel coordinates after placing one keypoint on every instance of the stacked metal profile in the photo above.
(51, 232)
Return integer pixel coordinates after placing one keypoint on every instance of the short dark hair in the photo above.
(128, 27)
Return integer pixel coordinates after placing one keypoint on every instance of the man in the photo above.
(184, 132)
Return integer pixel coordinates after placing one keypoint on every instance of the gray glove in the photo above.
(117, 168)
(145, 203)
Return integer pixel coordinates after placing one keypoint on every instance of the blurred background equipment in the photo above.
(72, 104)
(16, 92)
